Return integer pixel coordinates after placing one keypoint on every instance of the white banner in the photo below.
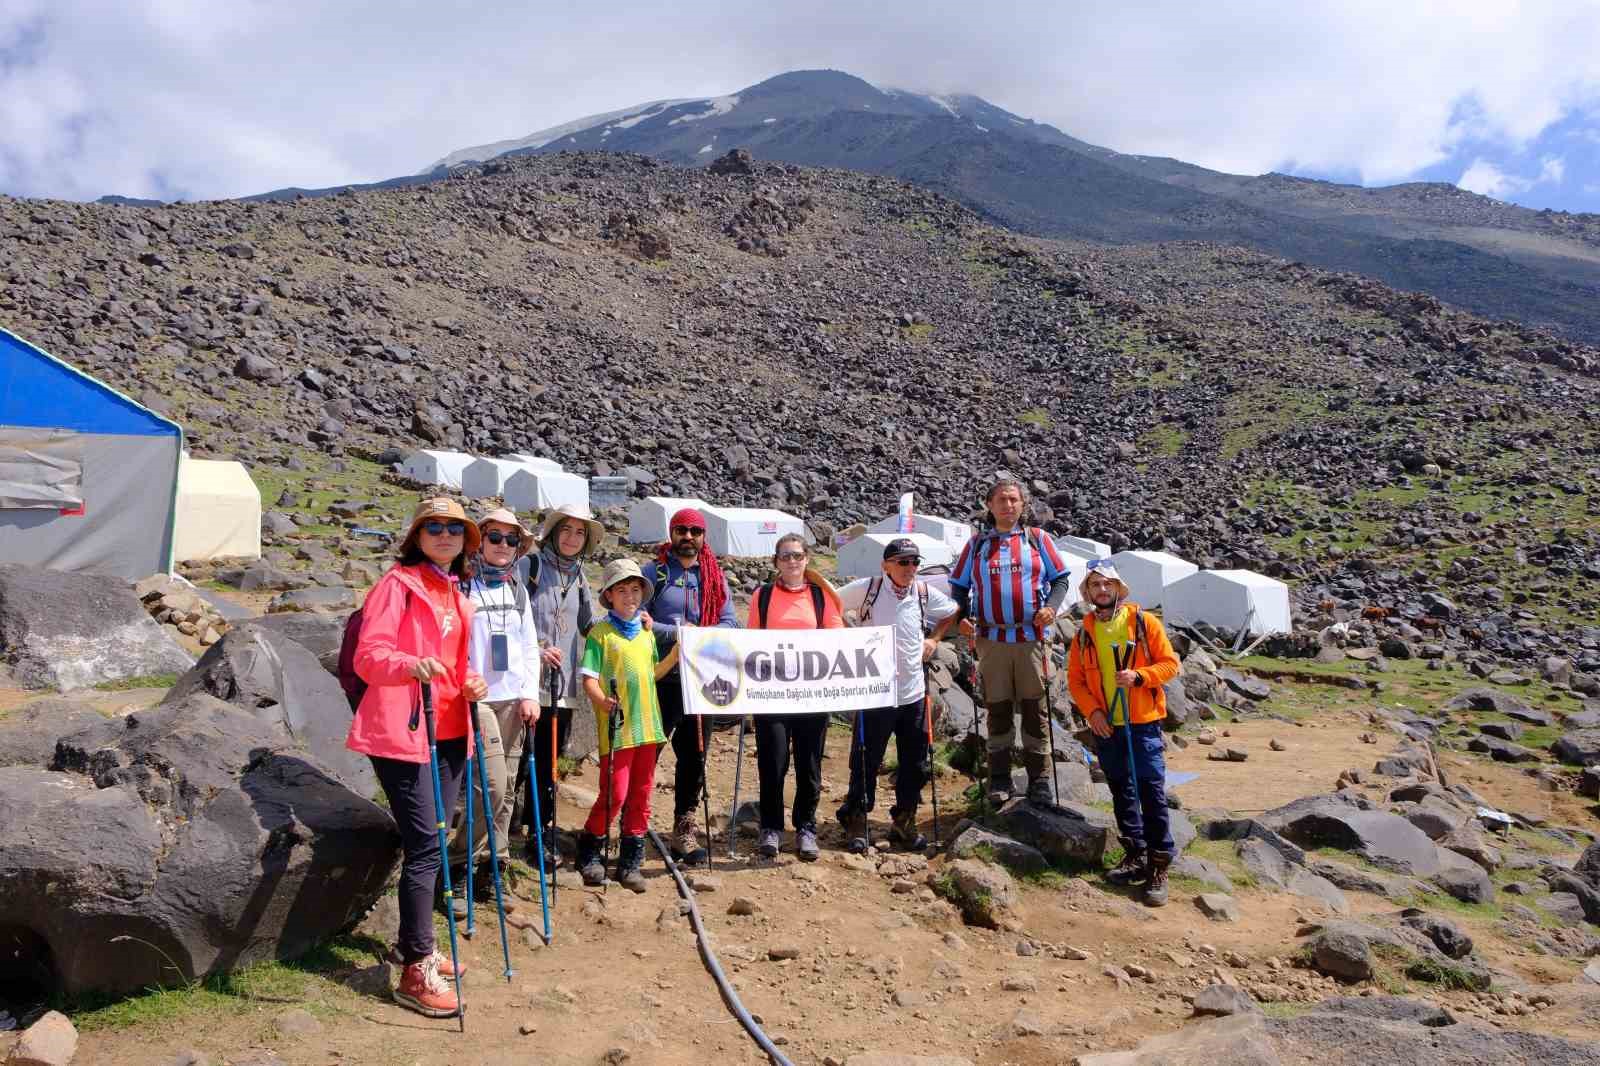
(786, 671)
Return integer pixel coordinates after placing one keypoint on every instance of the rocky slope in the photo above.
(825, 340)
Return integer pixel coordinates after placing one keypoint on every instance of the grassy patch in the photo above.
(143, 681)
(1038, 416)
(1284, 1011)
(1164, 439)
(311, 981)
(917, 330)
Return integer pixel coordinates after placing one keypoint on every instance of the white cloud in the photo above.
(1486, 179)
(222, 99)
(1552, 170)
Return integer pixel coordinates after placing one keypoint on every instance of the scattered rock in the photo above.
(1223, 1000)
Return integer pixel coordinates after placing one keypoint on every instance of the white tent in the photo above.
(535, 461)
(648, 516)
(1230, 600)
(540, 490)
(749, 531)
(436, 468)
(219, 511)
(953, 532)
(488, 477)
(1149, 573)
(863, 556)
(1083, 546)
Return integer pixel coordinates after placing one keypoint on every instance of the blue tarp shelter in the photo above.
(88, 477)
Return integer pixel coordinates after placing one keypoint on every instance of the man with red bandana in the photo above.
(688, 589)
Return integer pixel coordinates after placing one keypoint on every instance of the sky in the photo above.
(203, 99)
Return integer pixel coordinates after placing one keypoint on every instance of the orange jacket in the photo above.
(1154, 661)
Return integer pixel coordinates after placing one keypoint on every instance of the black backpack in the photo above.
(764, 601)
(875, 586)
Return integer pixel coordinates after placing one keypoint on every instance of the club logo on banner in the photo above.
(786, 671)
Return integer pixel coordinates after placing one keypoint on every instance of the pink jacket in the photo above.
(398, 627)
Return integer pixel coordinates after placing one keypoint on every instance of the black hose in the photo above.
(709, 957)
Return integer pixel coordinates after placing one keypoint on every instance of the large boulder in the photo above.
(1072, 832)
(28, 735)
(282, 684)
(66, 630)
(319, 633)
(1383, 839)
(1495, 701)
(184, 841)
(1580, 747)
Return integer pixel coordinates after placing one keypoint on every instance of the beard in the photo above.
(684, 548)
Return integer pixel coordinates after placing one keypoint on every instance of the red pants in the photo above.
(633, 776)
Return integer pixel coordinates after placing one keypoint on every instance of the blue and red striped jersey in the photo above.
(1009, 575)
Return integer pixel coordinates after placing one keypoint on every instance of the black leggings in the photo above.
(808, 733)
(409, 787)
(910, 731)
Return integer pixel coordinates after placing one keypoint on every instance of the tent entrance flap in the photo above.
(40, 469)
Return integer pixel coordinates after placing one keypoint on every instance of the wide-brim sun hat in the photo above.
(1108, 570)
(507, 517)
(616, 572)
(594, 532)
(441, 509)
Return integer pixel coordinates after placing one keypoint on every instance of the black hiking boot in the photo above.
(1155, 892)
(856, 833)
(630, 857)
(1133, 868)
(590, 867)
(903, 831)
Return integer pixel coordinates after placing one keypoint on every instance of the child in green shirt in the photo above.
(619, 669)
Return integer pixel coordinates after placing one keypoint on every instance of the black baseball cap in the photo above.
(901, 546)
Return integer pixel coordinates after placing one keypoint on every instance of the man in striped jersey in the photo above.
(1011, 582)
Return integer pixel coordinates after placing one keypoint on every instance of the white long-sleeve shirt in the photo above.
(904, 612)
(494, 610)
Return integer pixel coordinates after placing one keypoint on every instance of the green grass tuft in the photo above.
(143, 681)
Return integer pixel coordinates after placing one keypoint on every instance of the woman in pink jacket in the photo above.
(414, 629)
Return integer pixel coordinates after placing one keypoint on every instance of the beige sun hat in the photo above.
(1108, 570)
(594, 532)
(507, 517)
(440, 509)
(616, 572)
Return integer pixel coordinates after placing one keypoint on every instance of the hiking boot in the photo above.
(447, 969)
(424, 989)
(630, 857)
(903, 831)
(1133, 868)
(856, 833)
(805, 844)
(1155, 893)
(1040, 793)
(686, 840)
(771, 841)
(590, 867)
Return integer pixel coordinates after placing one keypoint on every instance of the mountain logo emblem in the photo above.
(715, 670)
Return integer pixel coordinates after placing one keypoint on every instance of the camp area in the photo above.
(749, 531)
(649, 516)
(219, 511)
(436, 467)
(952, 532)
(863, 556)
(488, 477)
(1148, 573)
(88, 477)
(534, 489)
(1230, 600)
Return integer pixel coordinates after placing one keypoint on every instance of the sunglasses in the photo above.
(1100, 564)
(906, 560)
(439, 529)
(681, 531)
(789, 557)
(510, 540)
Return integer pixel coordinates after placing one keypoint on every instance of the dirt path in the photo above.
(880, 964)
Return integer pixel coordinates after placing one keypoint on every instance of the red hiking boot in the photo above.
(424, 990)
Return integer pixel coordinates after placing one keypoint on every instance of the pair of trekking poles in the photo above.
(482, 782)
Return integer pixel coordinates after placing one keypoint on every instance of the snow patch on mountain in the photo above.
(716, 105)
(547, 136)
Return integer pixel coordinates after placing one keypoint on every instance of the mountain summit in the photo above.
(1497, 259)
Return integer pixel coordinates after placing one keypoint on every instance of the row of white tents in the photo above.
(527, 482)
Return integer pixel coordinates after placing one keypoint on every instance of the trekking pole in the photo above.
(538, 827)
(861, 746)
(556, 684)
(1050, 718)
(705, 783)
(738, 766)
(1124, 659)
(933, 768)
(494, 851)
(438, 815)
(472, 851)
(611, 768)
